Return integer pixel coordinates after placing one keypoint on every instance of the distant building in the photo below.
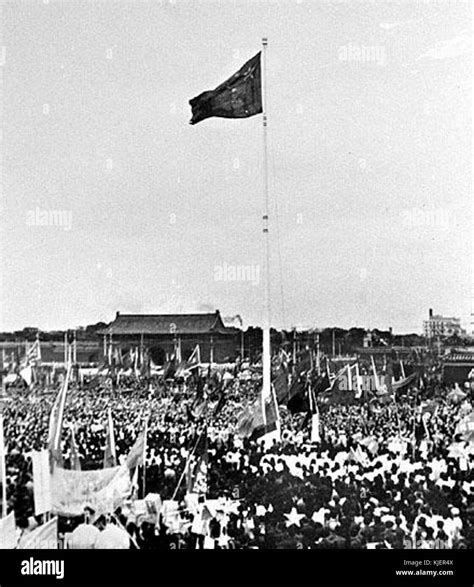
(160, 333)
(458, 365)
(441, 326)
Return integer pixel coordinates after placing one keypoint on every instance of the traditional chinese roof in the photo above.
(459, 357)
(153, 324)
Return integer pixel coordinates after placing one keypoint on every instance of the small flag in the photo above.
(240, 96)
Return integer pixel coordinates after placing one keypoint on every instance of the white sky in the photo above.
(370, 161)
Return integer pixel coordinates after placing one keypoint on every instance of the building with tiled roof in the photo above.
(161, 332)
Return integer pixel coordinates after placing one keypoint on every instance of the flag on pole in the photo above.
(56, 421)
(240, 96)
(74, 458)
(252, 424)
(196, 474)
(110, 454)
(136, 456)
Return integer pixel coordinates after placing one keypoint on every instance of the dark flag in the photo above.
(251, 423)
(240, 96)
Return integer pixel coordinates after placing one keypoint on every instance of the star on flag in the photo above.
(293, 518)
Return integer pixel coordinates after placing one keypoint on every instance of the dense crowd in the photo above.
(381, 475)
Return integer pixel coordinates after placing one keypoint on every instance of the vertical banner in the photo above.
(41, 481)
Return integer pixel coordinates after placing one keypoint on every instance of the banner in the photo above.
(315, 436)
(102, 490)
(41, 481)
(8, 539)
(44, 537)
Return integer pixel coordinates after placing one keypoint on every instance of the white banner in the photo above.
(103, 490)
(41, 481)
(8, 539)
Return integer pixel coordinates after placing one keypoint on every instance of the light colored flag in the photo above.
(315, 435)
(358, 393)
(137, 453)
(374, 370)
(74, 458)
(110, 454)
(8, 536)
(41, 481)
(26, 374)
(41, 538)
(56, 419)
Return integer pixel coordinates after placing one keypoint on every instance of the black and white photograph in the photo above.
(236, 289)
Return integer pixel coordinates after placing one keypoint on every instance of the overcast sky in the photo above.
(369, 108)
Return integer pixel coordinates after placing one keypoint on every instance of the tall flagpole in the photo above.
(266, 351)
(3, 472)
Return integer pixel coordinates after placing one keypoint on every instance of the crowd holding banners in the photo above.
(387, 470)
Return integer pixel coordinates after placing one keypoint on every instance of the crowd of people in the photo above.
(380, 475)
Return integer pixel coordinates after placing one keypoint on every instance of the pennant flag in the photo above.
(240, 96)
(110, 454)
(41, 538)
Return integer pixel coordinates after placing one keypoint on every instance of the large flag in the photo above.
(252, 423)
(110, 454)
(41, 538)
(240, 96)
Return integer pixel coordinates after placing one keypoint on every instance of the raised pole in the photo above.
(266, 350)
